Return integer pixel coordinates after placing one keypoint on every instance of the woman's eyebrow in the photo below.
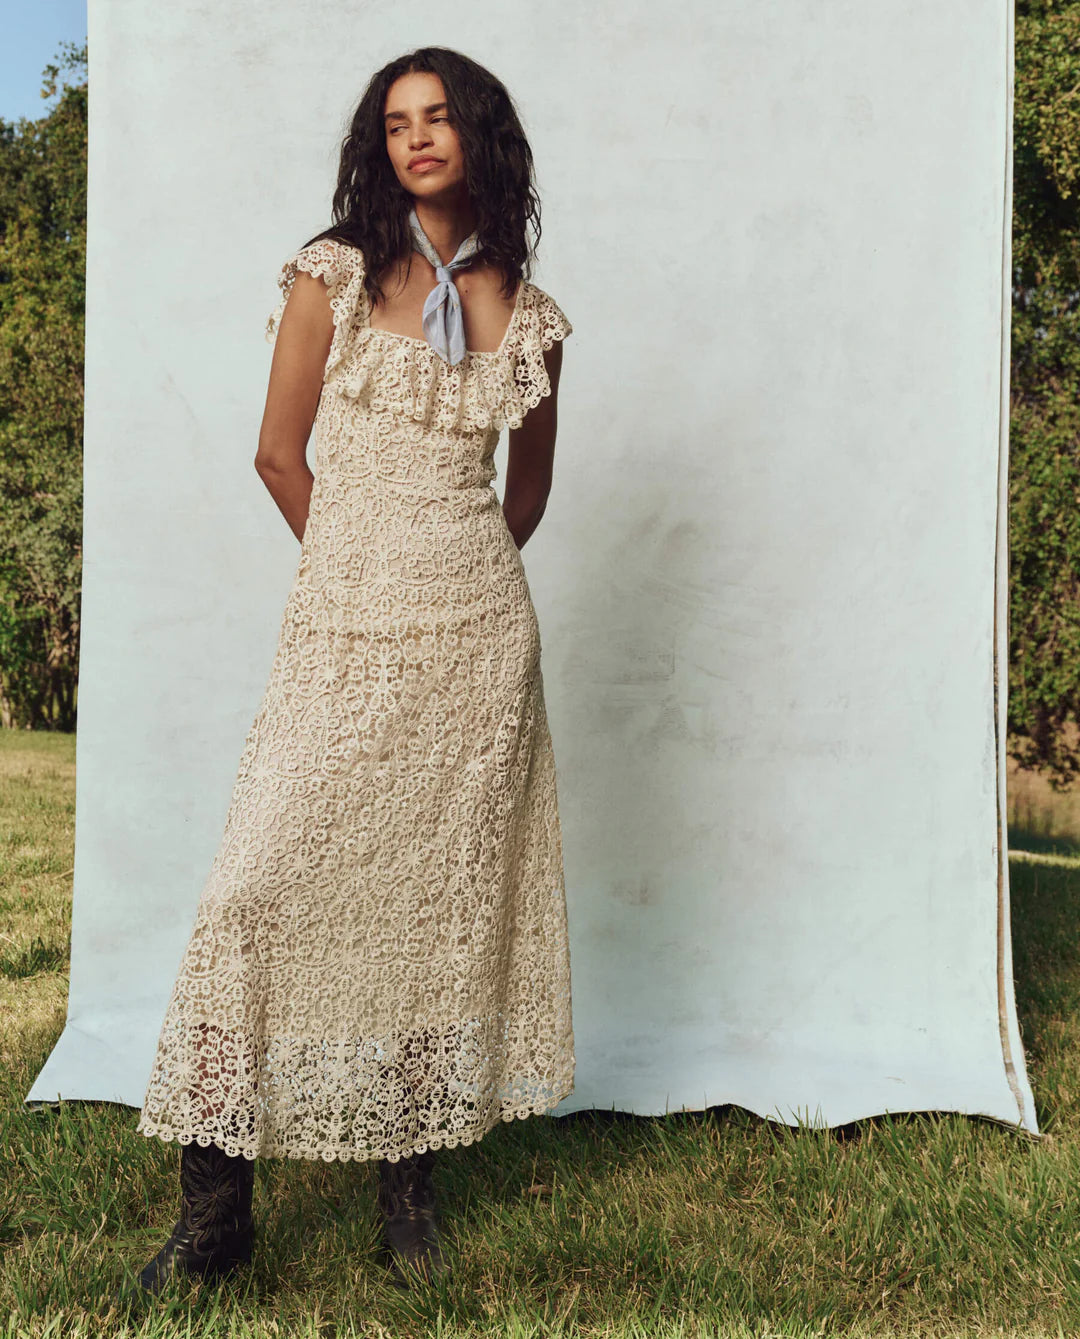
(400, 116)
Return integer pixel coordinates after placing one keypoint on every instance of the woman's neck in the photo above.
(447, 225)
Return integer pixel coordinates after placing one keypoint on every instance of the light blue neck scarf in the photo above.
(444, 327)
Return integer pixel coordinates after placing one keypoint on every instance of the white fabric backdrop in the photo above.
(768, 573)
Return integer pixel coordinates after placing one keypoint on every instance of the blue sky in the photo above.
(32, 32)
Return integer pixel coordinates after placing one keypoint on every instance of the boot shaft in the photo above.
(216, 1190)
(406, 1188)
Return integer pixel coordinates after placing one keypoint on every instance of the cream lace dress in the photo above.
(379, 962)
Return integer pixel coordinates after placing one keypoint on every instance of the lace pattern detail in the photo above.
(395, 373)
(344, 278)
(379, 962)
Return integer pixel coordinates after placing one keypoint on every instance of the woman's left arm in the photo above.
(531, 456)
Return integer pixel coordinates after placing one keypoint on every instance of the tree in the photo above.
(42, 294)
(1044, 424)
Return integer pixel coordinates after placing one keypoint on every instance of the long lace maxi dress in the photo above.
(379, 962)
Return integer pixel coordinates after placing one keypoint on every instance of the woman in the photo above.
(379, 964)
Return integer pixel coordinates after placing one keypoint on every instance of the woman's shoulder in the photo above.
(333, 257)
(545, 318)
(339, 263)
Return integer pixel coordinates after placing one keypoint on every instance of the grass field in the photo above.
(716, 1223)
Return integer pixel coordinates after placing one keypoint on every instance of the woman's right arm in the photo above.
(301, 349)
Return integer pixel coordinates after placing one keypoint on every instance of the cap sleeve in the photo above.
(542, 323)
(340, 266)
(552, 324)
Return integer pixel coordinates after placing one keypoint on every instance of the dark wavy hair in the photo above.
(371, 207)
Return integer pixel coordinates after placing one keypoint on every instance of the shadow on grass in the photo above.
(1045, 915)
(1028, 839)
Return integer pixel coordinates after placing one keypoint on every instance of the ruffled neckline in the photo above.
(404, 376)
(469, 353)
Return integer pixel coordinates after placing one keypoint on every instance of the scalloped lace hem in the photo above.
(284, 1149)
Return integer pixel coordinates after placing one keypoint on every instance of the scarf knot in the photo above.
(444, 326)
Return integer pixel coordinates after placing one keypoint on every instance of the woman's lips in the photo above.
(425, 164)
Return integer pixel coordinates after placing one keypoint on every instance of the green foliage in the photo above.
(1044, 486)
(42, 293)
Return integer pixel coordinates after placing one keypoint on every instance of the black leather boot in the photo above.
(406, 1197)
(215, 1231)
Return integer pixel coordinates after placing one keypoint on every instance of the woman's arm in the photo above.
(530, 457)
(292, 397)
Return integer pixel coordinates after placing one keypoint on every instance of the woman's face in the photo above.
(418, 130)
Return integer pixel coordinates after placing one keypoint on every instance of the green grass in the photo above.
(693, 1224)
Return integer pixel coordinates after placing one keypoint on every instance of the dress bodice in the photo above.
(403, 376)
